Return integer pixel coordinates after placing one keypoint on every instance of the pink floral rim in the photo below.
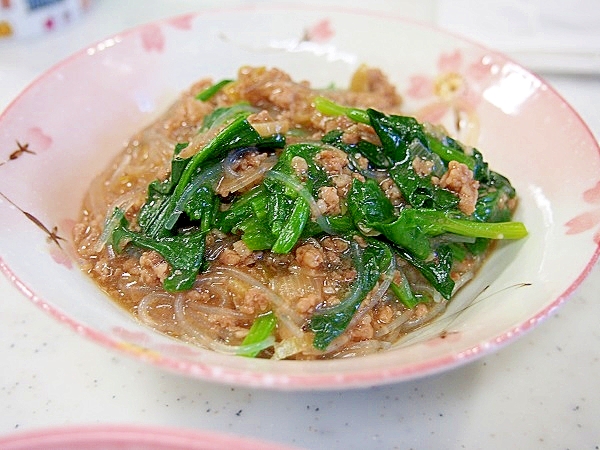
(101, 437)
(442, 95)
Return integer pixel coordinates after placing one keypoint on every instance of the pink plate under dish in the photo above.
(129, 437)
(68, 124)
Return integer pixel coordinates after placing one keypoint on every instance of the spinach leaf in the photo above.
(377, 158)
(248, 216)
(331, 108)
(220, 116)
(258, 336)
(240, 209)
(290, 198)
(202, 206)
(436, 270)
(184, 252)
(158, 192)
(396, 134)
(210, 91)
(404, 293)
(413, 227)
(292, 229)
(279, 207)
(419, 191)
(237, 134)
(368, 204)
(449, 152)
(256, 233)
(370, 263)
(492, 201)
(315, 175)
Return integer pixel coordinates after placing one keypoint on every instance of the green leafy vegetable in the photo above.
(259, 332)
(292, 229)
(449, 153)
(368, 204)
(404, 293)
(413, 227)
(396, 134)
(331, 108)
(210, 91)
(425, 228)
(436, 269)
(220, 116)
(237, 134)
(419, 191)
(184, 252)
(372, 152)
(188, 193)
(370, 263)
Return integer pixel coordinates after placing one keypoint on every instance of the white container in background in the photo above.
(24, 18)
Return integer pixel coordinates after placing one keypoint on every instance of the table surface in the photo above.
(539, 392)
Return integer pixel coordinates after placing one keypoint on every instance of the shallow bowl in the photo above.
(65, 127)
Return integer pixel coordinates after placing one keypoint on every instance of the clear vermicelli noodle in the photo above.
(263, 217)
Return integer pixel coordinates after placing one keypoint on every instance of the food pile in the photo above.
(263, 217)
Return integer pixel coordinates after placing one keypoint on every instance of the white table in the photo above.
(539, 392)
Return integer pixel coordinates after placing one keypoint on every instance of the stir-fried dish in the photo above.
(262, 217)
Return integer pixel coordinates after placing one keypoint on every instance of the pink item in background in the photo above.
(129, 437)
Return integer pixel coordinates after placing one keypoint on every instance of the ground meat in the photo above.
(459, 179)
(363, 330)
(361, 162)
(360, 132)
(277, 261)
(342, 183)
(307, 303)
(360, 240)
(391, 191)
(266, 125)
(183, 117)
(420, 310)
(300, 166)
(334, 250)
(422, 167)
(229, 257)
(329, 201)
(253, 302)
(325, 124)
(87, 240)
(309, 256)
(332, 160)
(238, 255)
(383, 314)
(274, 90)
(248, 161)
(153, 268)
(371, 88)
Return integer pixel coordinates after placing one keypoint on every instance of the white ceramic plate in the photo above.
(69, 123)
